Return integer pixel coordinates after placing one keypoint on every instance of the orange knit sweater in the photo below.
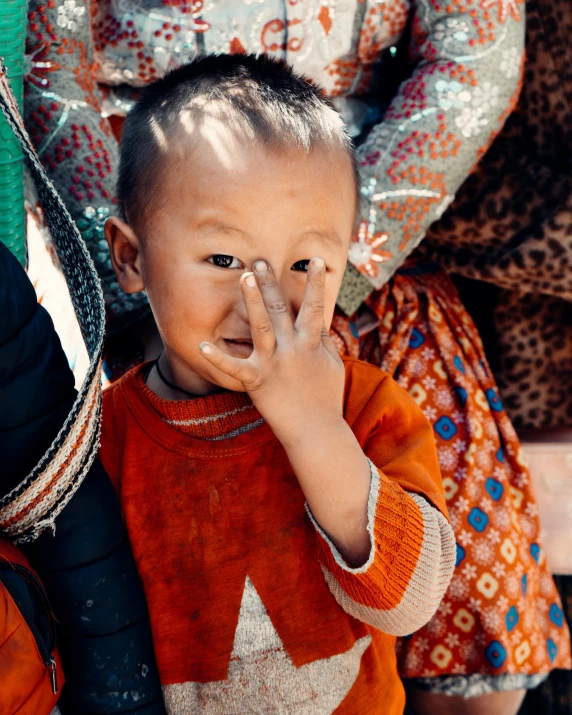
(252, 607)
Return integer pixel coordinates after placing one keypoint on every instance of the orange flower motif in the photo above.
(365, 251)
(504, 8)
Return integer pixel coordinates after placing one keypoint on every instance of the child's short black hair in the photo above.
(256, 93)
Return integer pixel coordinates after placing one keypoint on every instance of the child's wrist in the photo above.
(307, 434)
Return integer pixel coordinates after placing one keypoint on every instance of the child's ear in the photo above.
(124, 247)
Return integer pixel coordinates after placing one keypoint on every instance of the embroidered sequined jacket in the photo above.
(423, 84)
(510, 225)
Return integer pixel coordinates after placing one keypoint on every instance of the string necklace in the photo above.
(171, 384)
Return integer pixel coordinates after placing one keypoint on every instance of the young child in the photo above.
(285, 508)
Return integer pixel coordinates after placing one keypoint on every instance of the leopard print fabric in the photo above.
(511, 224)
(535, 352)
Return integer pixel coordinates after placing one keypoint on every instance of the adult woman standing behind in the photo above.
(423, 117)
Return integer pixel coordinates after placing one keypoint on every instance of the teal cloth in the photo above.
(12, 213)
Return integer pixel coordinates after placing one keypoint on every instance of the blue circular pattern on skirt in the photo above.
(478, 519)
(458, 363)
(416, 339)
(495, 402)
(555, 614)
(445, 427)
(535, 551)
(495, 653)
(511, 618)
(494, 488)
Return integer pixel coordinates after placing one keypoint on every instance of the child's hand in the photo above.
(295, 378)
(294, 375)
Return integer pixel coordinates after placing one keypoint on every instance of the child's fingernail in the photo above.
(319, 262)
(250, 280)
(260, 266)
(206, 349)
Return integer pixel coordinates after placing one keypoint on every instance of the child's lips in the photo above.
(239, 347)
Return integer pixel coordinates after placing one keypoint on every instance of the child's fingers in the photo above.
(327, 342)
(239, 369)
(311, 316)
(275, 306)
(261, 328)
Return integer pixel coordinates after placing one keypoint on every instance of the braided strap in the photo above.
(34, 504)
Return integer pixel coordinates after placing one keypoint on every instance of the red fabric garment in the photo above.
(25, 681)
(502, 613)
(227, 553)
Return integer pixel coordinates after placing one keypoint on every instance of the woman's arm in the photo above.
(62, 111)
(467, 57)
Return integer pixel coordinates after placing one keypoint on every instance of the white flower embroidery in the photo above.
(463, 504)
(510, 63)
(482, 552)
(422, 644)
(430, 413)
(528, 527)
(469, 571)
(447, 458)
(512, 585)
(531, 510)
(451, 29)
(486, 96)
(471, 121)
(428, 382)
(444, 399)
(452, 94)
(436, 627)
(458, 589)
(70, 16)
(465, 538)
(461, 473)
(491, 619)
(452, 640)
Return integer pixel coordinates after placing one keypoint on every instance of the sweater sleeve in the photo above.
(412, 555)
(62, 112)
(467, 59)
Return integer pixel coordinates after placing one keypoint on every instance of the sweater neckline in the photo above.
(215, 417)
(157, 429)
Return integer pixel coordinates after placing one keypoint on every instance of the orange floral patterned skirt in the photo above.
(502, 613)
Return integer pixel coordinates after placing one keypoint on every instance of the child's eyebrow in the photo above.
(210, 226)
(324, 236)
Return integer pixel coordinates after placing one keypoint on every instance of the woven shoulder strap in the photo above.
(35, 503)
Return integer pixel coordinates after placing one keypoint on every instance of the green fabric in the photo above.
(354, 290)
(12, 212)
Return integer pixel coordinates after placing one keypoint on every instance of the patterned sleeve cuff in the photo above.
(371, 509)
(412, 557)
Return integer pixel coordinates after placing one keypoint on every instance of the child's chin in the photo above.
(228, 383)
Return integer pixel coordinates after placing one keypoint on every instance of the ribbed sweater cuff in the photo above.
(395, 526)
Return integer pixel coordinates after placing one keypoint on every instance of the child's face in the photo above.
(225, 203)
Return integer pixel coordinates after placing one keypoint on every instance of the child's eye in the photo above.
(222, 261)
(301, 266)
